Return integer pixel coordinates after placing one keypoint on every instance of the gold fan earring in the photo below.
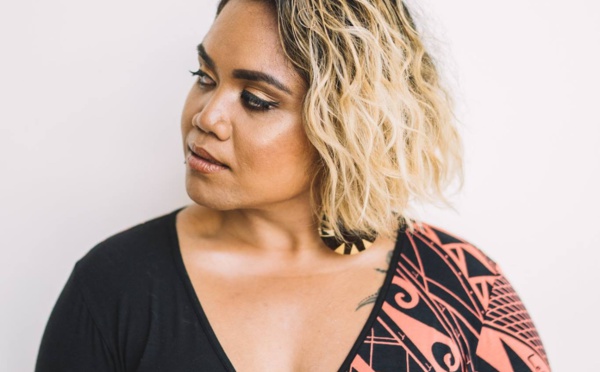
(351, 243)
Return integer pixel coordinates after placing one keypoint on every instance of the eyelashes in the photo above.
(255, 103)
(249, 100)
(202, 75)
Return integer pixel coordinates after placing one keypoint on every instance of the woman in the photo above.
(311, 126)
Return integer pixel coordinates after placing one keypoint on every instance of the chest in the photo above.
(287, 323)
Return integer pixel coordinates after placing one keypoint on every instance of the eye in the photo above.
(254, 103)
(203, 78)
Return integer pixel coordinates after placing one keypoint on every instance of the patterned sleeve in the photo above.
(508, 341)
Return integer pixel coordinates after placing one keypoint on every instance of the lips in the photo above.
(202, 153)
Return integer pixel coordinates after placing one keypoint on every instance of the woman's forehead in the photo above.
(248, 20)
(245, 36)
(247, 28)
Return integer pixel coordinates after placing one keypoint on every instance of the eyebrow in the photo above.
(260, 76)
(202, 53)
(245, 74)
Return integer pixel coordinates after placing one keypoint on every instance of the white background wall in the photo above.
(90, 97)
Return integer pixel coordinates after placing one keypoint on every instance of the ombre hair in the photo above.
(375, 110)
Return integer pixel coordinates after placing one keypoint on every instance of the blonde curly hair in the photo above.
(375, 111)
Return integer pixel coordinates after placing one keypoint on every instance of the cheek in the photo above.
(283, 155)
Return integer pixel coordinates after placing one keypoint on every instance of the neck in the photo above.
(285, 230)
(272, 230)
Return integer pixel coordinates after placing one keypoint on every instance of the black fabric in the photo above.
(125, 308)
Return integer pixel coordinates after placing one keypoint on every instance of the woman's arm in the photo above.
(508, 340)
(72, 340)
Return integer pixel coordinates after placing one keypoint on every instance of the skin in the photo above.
(250, 234)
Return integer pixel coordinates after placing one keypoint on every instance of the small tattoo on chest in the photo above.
(369, 300)
(373, 298)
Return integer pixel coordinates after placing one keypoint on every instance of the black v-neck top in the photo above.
(129, 305)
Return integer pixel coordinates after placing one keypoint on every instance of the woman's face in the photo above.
(245, 110)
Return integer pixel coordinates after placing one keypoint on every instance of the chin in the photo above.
(213, 204)
(201, 195)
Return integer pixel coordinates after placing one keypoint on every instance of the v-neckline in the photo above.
(212, 337)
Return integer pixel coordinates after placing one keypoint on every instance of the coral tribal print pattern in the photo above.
(449, 308)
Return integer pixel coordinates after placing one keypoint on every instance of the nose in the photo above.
(212, 117)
